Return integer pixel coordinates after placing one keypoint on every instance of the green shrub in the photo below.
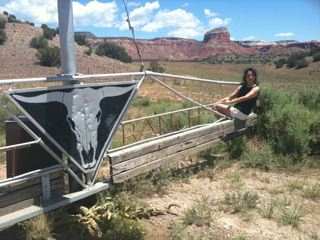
(310, 98)
(80, 39)
(3, 37)
(286, 121)
(141, 101)
(89, 51)
(262, 158)
(316, 57)
(289, 129)
(113, 50)
(48, 33)
(280, 63)
(30, 23)
(294, 59)
(315, 136)
(200, 214)
(291, 215)
(241, 201)
(120, 228)
(13, 19)
(39, 42)
(3, 23)
(301, 63)
(49, 56)
(156, 67)
(236, 147)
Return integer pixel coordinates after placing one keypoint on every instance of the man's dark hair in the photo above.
(244, 82)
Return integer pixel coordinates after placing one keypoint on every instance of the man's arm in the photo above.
(231, 96)
(253, 93)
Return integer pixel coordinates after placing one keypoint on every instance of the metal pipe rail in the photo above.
(62, 78)
(19, 145)
(191, 78)
(165, 114)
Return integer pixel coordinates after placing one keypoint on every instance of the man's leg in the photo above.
(222, 108)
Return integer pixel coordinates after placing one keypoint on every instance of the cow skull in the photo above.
(83, 114)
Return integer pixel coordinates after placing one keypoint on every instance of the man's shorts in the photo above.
(236, 113)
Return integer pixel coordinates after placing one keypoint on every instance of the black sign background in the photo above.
(54, 116)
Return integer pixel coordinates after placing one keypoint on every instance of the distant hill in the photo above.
(216, 42)
(18, 59)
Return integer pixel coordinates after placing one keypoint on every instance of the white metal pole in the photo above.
(66, 33)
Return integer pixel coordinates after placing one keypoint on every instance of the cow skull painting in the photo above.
(79, 119)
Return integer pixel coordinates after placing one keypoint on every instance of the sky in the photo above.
(265, 20)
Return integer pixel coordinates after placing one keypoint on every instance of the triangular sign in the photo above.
(80, 119)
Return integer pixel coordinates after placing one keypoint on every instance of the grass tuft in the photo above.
(241, 201)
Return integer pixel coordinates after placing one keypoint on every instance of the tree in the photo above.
(156, 67)
(113, 50)
(301, 63)
(13, 19)
(39, 42)
(48, 33)
(3, 36)
(279, 63)
(2, 23)
(89, 51)
(49, 56)
(316, 57)
(80, 39)
(294, 58)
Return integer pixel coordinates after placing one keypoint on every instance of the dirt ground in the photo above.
(279, 186)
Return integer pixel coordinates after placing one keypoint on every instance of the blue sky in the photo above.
(267, 20)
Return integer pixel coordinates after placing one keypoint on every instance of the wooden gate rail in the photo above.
(36, 187)
(141, 158)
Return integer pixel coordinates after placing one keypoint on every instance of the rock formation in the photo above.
(216, 42)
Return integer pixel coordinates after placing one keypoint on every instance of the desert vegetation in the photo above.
(155, 66)
(113, 50)
(48, 56)
(264, 185)
(3, 35)
(255, 179)
(299, 60)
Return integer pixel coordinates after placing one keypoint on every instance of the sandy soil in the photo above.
(268, 185)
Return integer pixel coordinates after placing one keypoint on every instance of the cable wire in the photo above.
(133, 35)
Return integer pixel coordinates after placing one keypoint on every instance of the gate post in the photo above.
(66, 34)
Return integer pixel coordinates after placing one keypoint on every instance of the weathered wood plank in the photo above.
(30, 175)
(130, 162)
(144, 159)
(33, 191)
(24, 184)
(225, 127)
(163, 162)
(16, 206)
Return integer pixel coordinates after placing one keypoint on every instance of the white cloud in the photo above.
(214, 21)
(179, 22)
(249, 38)
(219, 22)
(147, 17)
(94, 13)
(209, 13)
(37, 11)
(284, 34)
(140, 16)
